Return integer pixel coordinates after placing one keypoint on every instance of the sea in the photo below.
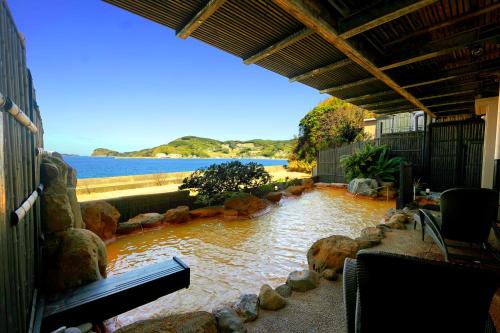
(97, 167)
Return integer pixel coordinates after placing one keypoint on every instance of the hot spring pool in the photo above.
(230, 257)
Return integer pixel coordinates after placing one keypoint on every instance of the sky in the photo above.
(108, 78)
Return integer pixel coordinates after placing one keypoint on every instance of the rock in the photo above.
(399, 218)
(303, 280)
(246, 205)
(206, 212)
(329, 274)
(86, 327)
(274, 196)
(72, 330)
(372, 234)
(284, 290)
(296, 190)
(75, 208)
(177, 215)
(56, 211)
(366, 243)
(230, 213)
(248, 307)
(101, 218)
(270, 299)
(81, 259)
(330, 252)
(126, 228)
(59, 330)
(396, 225)
(308, 183)
(228, 321)
(200, 321)
(148, 220)
(363, 186)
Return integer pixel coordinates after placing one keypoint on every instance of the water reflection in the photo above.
(230, 257)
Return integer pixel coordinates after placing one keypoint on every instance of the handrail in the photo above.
(25, 207)
(9, 106)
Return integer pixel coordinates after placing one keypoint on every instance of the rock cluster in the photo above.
(73, 256)
(270, 299)
(245, 204)
(363, 186)
(199, 321)
(101, 218)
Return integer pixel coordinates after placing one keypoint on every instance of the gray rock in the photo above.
(199, 321)
(329, 274)
(372, 234)
(86, 327)
(72, 330)
(228, 321)
(284, 290)
(248, 307)
(303, 280)
(270, 299)
(363, 186)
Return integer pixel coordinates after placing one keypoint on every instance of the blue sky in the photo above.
(108, 78)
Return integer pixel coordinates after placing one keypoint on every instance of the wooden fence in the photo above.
(449, 154)
(408, 145)
(19, 178)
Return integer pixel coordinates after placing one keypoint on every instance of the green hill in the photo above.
(192, 146)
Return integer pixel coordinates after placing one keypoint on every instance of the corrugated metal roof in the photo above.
(246, 27)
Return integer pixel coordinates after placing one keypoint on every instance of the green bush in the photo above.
(218, 181)
(371, 162)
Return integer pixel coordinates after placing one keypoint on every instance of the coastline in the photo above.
(103, 188)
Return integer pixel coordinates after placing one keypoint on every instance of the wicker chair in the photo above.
(467, 215)
(385, 292)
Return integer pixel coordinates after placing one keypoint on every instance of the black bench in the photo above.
(106, 298)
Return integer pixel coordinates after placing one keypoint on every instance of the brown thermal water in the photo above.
(230, 257)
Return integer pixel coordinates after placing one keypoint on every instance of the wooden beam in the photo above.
(396, 109)
(349, 85)
(447, 46)
(383, 103)
(450, 103)
(321, 70)
(456, 93)
(293, 38)
(375, 95)
(302, 12)
(199, 18)
(447, 23)
(378, 14)
(424, 83)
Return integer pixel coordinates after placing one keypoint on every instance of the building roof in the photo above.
(385, 56)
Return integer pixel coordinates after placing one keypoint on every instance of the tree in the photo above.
(331, 123)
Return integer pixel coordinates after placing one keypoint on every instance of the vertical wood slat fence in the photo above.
(408, 145)
(19, 177)
(450, 156)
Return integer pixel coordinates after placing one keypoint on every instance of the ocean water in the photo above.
(94, 167)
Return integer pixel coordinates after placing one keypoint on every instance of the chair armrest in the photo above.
(350, 293)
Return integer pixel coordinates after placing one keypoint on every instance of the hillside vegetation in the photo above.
(192, 146)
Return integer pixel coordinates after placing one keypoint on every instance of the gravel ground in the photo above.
(315, 311)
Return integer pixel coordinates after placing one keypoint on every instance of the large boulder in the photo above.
(296, 190)
(228, 321)
(101, 218)
(274, 196)
(128, 227)
(270, 299)
(308, 183)
(247, 307)
(177, 215)
(245, 204)
(363, 186)
(71, 182)
(206, 212)
(80, 259)
(148, 220)
(330, 252)
(303, 280)
(200, 321)
(284, 290)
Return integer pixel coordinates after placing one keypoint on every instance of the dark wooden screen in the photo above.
(456, 154)
(19, 177)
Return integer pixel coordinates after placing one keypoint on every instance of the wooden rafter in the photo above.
(199, 18)
(454, 93)
(293, 38)
(383, 103)
(349, 85)
(321, 70)
(301, 11)
(367, 96)
(455, 20)
(451, 103)
(396, 109)
(377, 15)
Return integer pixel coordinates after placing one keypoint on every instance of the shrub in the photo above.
(219, 180)
(371, 162)
(301, 166)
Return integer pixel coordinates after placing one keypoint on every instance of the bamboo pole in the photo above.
(9, 106)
